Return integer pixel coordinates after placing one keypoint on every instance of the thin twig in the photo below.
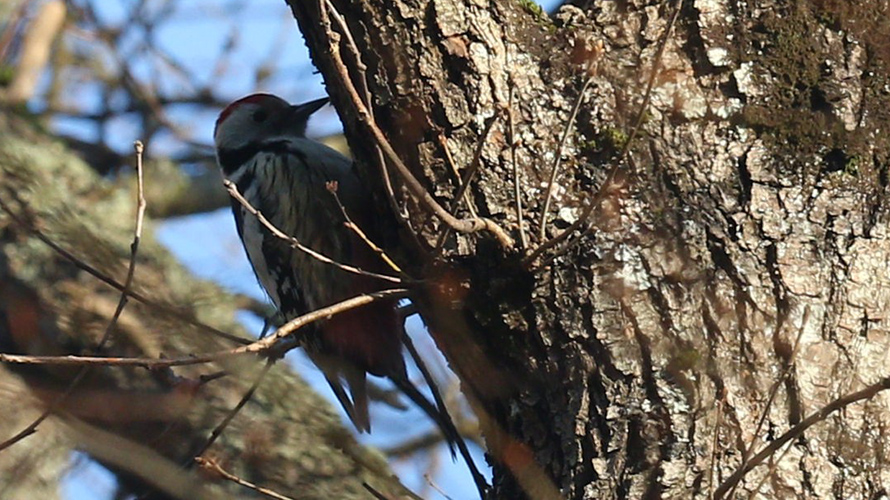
(332, 188)
(217, 432)
(381, 161)
(262, 346)
(295, 243)
(839, 403)
(468, 177)
(473, 168)
(443, 141)
(746, 452)
(616, 164)
(478, 479)
(432, 483)
(210, 377)
(517, 189)
(424, 371)
(423, 442)
(714, 442)
(554, 170)
(373, 491)
(380, 496)
(774, 464)
(131, 271)
(212, 466)
(150, 363)
(80, 264)
(411, 183)
(134, 247)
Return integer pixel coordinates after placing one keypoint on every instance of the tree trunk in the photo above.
(730, 279)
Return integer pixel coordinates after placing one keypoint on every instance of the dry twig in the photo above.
(262, 346)
(211, 466)
(361, 68)
(714, 441)
(443, 141)
(108, 280)
(746, 452)
(217, 432)
(294, 243)
(517, 187)
(774, 464)
(792, 433)
(413, 185)
(468, 177)
(432, 483)
(332, 188)
(376, 494)
(554, 170)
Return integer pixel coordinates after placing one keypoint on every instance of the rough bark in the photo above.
(734, 278)
(144, 425)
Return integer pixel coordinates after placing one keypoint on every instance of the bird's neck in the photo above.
(232, 159)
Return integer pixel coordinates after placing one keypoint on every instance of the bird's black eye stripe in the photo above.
(260, 115)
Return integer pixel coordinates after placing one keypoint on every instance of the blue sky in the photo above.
(207, 244)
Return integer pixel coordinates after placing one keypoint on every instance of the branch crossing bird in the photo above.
(261, 147)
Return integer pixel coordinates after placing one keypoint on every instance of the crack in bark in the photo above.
(650, 386)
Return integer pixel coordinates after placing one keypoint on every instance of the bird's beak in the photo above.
(300, 113)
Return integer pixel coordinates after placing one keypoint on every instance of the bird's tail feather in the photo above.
(358, 389)
(336, 373)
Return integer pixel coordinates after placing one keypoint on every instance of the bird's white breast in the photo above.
(253, 232)
(293, 197)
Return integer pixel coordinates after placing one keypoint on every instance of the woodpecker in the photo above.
(261, 147)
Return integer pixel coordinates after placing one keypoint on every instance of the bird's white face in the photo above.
(260, 118)
(255, 118)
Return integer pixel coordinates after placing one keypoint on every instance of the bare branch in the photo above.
(376, 494)
(262, 346)
(211, 466)
(36, 50)
(746, 452)
(554, 170)
(432, 483)
(468, 177)
(715, 439)
(839, 403)
(332, 188)
(443, 141)
(217, 432)
(517, 188)
(424, 442)
(139, 461)
(363, 81)
(134, 247)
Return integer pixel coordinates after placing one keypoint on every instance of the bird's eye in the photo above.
(260, 115)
